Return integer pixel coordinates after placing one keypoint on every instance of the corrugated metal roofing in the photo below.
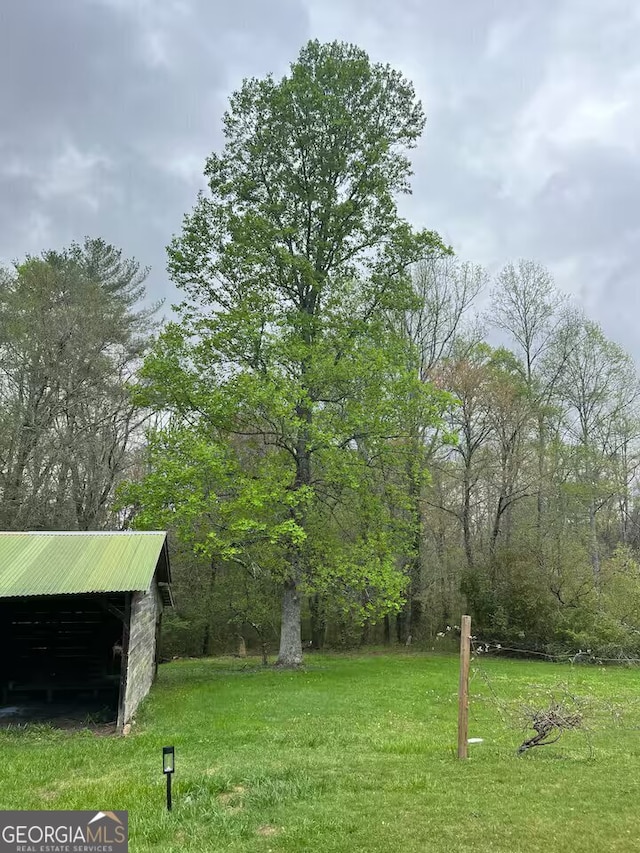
(53, 563)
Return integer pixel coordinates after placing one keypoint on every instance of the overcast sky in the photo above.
(108, 109)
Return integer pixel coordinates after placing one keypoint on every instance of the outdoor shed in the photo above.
(80, 615)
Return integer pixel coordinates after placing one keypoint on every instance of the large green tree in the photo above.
(294, 264)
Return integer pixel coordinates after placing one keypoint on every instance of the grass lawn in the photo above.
(352, 754)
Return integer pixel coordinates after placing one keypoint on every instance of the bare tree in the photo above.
(445, 289)
(526, 305)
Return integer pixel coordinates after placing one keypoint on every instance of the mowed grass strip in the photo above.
(354, 753)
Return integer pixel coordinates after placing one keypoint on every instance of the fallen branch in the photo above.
(550, 724)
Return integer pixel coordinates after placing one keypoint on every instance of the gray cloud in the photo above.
(532, 146)
(110, 109)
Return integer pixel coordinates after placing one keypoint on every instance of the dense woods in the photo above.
(351, 434)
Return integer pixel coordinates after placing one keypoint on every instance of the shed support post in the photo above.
(124, 664)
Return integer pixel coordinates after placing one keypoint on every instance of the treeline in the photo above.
(532, 515)
(351, 435)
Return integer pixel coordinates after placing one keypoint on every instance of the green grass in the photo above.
(352, 754)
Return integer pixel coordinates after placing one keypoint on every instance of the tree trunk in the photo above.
(595, 550)
(206, 635)
(495, 530)
(416, 617)
(624, 500)
(413, 607)
(541, 482)
(466, 521)
(387, 630)
(318, 624)
(290, 636)
(12, 497)
(290, 628)
(401, 628)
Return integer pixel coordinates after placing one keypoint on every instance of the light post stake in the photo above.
(168, 768)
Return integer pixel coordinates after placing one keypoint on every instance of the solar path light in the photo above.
(168, 767)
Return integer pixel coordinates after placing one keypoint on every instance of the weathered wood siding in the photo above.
(146, 608)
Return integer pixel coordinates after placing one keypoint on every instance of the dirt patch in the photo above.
(48, 796)
(232, 800)
(267, 830)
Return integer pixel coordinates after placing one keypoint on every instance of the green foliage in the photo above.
(620, 587)
(510, 603)
(559, 607)
(610, 627)
(199, 488)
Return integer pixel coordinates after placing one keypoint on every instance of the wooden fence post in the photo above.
(463, 689)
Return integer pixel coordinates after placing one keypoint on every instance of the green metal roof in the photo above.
(56, 563)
